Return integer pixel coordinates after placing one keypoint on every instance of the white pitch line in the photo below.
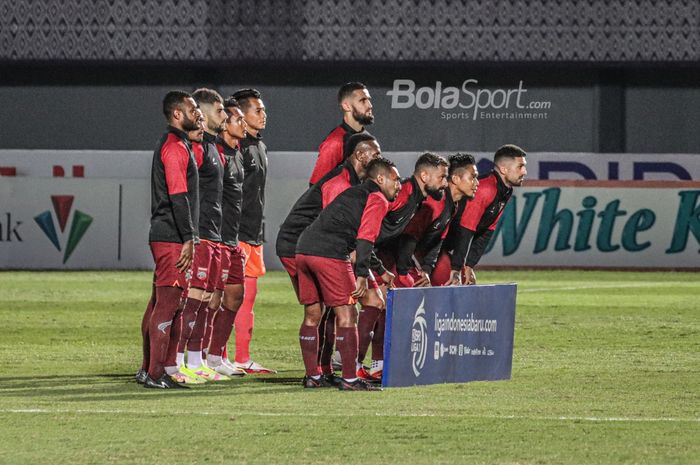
(390, 415)
(606, 286)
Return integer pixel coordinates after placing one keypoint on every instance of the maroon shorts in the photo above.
(290, 264)
(165, 256)
(443, 268)
(214, 269)
(203, 253)
(327, 280)
(232, 266)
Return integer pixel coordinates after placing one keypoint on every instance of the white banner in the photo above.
(74, 224)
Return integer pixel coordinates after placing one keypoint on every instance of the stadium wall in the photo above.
(99, 219)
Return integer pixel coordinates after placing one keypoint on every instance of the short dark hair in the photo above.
(231, 102)
(243, 96)
(172, 101)
(508, 151)
(460, 161)
(379, 166)
(207, 96)
(355, 140)
(348, 88)
(429, 159)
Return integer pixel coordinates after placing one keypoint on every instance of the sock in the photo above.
(326, 337)
(194, 359)
(223, 325)
(213, 360)
(194, 343)
(245, 319)
(365, 325)
(180, 359)
(378, 338)
(144, 329)
(170, 370)
(308, 341)
(212, 314)
(167, 301)
(189, 318)
(346, 340)
(175, 335)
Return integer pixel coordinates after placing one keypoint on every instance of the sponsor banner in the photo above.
(298, 165)
(449, 334)
(600, 224)
(74, 224)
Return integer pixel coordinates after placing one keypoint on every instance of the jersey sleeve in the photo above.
(475, 208)
(175, 158)
(370, 225)
(330, 155)
(332, 189)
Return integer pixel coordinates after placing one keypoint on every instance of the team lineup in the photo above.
(358, 230)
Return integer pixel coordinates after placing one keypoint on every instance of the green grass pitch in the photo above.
(606, 370)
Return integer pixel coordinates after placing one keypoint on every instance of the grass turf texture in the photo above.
(606, 370)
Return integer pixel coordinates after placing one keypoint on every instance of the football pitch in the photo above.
(606, 370)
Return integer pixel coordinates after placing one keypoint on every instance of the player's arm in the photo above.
(370, 225)
(476, 251)
(175, 158)
(330, 155)
(332, 189)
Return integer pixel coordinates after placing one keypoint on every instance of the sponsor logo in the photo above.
(191, 324)
(164, 325)
(419, 339)
(201, 273)
(62, 205)
(480, 103)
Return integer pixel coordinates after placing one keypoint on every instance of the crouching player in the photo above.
(351, 223)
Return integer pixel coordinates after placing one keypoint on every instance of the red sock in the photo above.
(346, 340)
(326, 337)
(245, 320)
(189, 317)
(308, 340)
(167, 301)
(194, 343)
(144, 330)
(212, 314)
(176, 331)
(365, 325)
(223, 325)
(378, 338)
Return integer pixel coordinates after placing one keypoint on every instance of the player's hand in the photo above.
(470, 276)
(423, 280)
(186, 255)
(405, 280)
(388, 277)
(360, 287)
(455, 278)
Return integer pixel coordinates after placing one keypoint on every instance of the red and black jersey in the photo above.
(401, 210)
(350, 223)
(309, 206)
(174, 190)
(331, 152)
(424, 234)
(254, 154)
(232, 197)
(476, 221)
(211, 172)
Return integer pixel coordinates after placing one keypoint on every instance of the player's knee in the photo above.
(312, 315)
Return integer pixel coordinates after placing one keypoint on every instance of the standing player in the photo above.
(356, 105)
(231, 278)
(251, 226)
(351, 223)
(173, 232)
(363, 148)
(476, 219)
(421, 241)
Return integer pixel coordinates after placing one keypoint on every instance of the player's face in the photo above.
(468, 182)
(514, 171)
(369, 151)
(255, 114)
(435, 179)
(187, 114)
(215, 115)
(235, 125)
(360, 104)
(390, 184)
(197, 135)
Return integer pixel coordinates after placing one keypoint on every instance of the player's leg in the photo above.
(372, 308)
(143, 372)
